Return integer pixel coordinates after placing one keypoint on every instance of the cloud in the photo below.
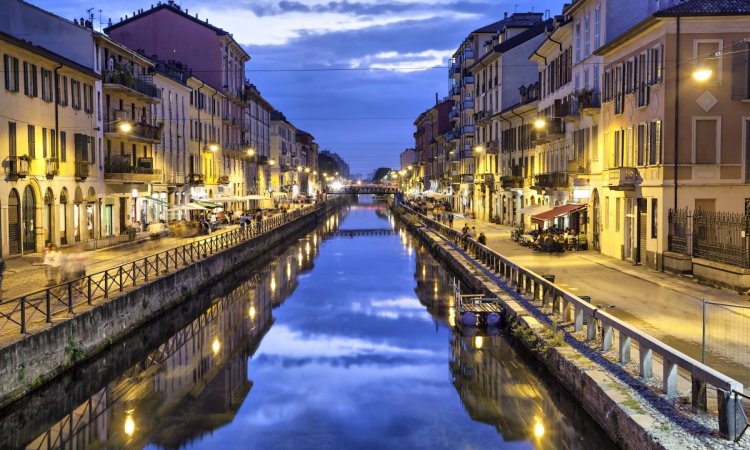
(403, 62)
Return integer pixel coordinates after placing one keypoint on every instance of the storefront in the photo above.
(572, 215)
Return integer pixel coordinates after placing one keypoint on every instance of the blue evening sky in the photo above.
(386, 48)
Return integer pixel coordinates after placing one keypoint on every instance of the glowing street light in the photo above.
(129, 423)
(250, 151)
(478, 149)
(702, 73)
(216, 346)
(125, 127)
(271, 162)
(299, 168)
(540, 123)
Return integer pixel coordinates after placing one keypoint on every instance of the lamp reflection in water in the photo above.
(478, 342)
(216, 346)
(452, 316)
(129, 423)
(288, 270)
(251, 312)
(299, 258)
(273, 283)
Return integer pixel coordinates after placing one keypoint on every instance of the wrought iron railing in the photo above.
(39, 307)
(716, 236)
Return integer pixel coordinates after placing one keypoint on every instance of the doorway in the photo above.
(597, 217)
(14, 223)
(29, 220)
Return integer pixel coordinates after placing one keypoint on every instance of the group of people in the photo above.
(63, 266)
(554, 240)
(471, 233)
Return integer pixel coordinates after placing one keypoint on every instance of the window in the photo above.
(12, 138)
(88, 98)
(587, 35)
(705, 54)
(63, 146)
(44, 143)
(53, 143)
(62, 90)
(597, 27)
(30, 86)
(578, 42)
(75, 94)
(32, 143)
(617, 213)
(740, 73)
(654, 145)
(654, 218)
(46, 85)
(641, 144)
(10, 67)
(706, 140)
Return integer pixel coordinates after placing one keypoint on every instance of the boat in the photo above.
(476, 310)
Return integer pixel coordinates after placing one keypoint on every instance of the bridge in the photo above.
(364, 232)
(353, 189)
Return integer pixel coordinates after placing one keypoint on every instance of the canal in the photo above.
(342, 340)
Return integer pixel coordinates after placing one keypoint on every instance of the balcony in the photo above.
(176, 178)
(456, 179)
(553, 130)
(468, 56)
(119, 169)
(195, 179)
(481, 116)
(468, 80)
(138, 131)
(53, 167)
(283, 168)
(578, 167)
(552, 180)
(468, 104)
(224, 179)
(261, 160)
(467, 129)
(623, 178)
(124, 81)
(452, 135)
(82, 170)
(589, 102)
(18, 167)
(511, 182)
(455, 91)
(492, 147)
(453, 115)
(569, 110)
(467, 178)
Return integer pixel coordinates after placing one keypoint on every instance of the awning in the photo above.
(208, 205)
(534, 209)
(556, 212)
(255, 197)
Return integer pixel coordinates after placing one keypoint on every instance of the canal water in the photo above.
(342, 340)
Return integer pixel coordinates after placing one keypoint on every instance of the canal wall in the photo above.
(42, 356)
(601, 393)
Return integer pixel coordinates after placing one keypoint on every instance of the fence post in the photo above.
(70, 296)
(23, 315)
(48, 306)
(88, 289)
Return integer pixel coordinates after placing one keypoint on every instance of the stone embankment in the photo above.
(629, 408)
(46, 353)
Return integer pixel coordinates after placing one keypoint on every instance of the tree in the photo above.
(380, 174)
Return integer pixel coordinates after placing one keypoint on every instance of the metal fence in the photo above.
(609, 332)
(726, 339)
(39, 307)
(715, 236)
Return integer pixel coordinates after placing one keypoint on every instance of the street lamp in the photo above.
(271, 162)
(478, 149)
(125, 127)
(540, 123)
(250, 151)
(299, 168)
(702, 73)
(212, 147)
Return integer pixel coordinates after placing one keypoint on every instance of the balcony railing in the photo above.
(195, 179)
(125, 78)
(589, 101)
(623, 178)
(137, 131)
(468, 103)
(53, 167)
(554, 128)
(224, 179)
(551, 180)
(511, 182)
(18, 167)
(120, 167)
(580, 167)
(176, 178)
(455, 91)
(468, 80)
(467, 129)
(453, 114)
(82, 170)
(492, 147)
(468, 54)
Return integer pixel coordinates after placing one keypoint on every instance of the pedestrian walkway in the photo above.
(664, 305)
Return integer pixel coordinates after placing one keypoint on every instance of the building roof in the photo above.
(47, 54)
(526, 19)
(707, 8)
(176, 9)
(517, 40)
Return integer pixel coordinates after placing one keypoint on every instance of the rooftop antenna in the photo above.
(515, 9)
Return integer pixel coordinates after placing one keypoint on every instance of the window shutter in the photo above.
(740, 78)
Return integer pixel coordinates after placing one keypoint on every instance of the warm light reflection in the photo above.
(273, 283)
(251, 313)
(539, 124)
(478, 342)
(288, 270)
(216, 345)
(452, 316)
(307, 248)
(424, 272)
(129, 424)
(125, 127)
(299, 258)
(538, 427)
(315, 240)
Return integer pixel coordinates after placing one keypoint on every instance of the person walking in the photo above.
(52, 260)
(450, 220)
(482, 239)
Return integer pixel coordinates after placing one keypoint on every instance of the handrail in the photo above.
(41, 305)
(563, 301)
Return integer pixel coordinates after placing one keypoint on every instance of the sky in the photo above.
(353, 73)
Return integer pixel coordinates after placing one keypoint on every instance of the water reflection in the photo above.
(336, 342)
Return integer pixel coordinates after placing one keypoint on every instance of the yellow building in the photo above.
(53, 183)
(204, 147)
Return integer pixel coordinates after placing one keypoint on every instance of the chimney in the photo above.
(436, 98)
(506, 15)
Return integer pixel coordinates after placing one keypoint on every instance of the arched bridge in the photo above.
(377, 189)
(362, 232)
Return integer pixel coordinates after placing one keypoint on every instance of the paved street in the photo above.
(667, 306)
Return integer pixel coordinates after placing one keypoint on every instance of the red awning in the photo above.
(556, 212)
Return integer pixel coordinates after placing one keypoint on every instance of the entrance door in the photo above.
(123, 209)
(642, 218)
(630, 240)
(29, 220)
(597, 215)
(14, 223)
